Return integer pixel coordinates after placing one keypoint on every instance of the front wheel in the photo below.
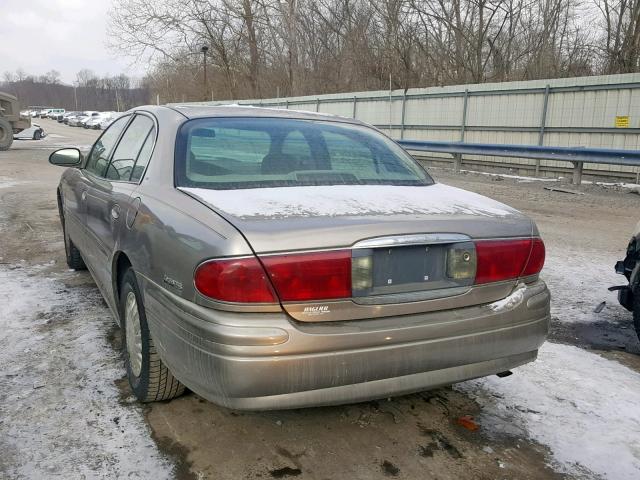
(37, 135)
(148, 376)
(74, 257)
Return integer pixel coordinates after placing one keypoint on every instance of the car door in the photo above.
(109, 194)
(93, 173)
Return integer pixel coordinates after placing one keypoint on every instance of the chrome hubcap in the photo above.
(134, 335)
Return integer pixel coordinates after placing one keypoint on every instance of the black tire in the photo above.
(152, 381)
(6, 134)
(37, 135)
(74, 257)
(636, 309)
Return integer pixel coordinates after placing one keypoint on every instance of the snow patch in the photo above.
(61, 415)
(6, 182)
(584, 407)
(350, 200)
(521, 178)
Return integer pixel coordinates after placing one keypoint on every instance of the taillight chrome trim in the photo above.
(391, 241)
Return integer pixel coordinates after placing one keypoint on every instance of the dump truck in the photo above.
(10, 120)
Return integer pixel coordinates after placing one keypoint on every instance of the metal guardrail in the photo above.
(578, 156)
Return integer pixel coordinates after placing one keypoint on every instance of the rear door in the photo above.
(110, 193)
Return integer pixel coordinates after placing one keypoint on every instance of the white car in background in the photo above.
(96, 121)
(78, 120)
(34, 132)
(75, 120)
(54, 112)
(108, 120)
(89, 115)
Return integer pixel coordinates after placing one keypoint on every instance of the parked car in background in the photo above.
(74, 121)
(61, 118)
(34, 132)
(80, 119)
(54, 112)
(87, 116)
(96, 121)
(66, 118)
(43, 113)
(280, 259)
(108, 120)
(34, 110)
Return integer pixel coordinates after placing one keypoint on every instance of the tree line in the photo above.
(269, 48)
(89, 91)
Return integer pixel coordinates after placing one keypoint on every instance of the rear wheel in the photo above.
(6, 134)
(148, 376)
(37, 135)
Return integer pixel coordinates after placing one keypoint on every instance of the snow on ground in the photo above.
(7, 182)
(579, 279)
(61, 415)
(585, 408)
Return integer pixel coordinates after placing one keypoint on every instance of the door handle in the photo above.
(115, 212)
(83, 195)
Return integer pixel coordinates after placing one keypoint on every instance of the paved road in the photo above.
(65, 410)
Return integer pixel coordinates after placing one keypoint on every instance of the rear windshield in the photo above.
(236, 153)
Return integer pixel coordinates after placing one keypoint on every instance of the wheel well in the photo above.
(121, 264)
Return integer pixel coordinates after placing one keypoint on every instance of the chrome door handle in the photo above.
(115, 213)
(83, 195)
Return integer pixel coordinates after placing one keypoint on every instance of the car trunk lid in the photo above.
(405, 231)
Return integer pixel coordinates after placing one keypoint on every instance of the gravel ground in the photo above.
(65, 411)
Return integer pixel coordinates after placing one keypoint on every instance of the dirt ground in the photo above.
(65, 410)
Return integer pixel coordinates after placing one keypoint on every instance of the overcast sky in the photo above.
(63, 35)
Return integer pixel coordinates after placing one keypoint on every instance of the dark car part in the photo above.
(629, 295)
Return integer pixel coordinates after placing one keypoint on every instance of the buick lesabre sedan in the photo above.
(271, 259)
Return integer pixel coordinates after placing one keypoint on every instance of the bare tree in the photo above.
(621, 39)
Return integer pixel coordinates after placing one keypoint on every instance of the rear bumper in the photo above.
(267, 361)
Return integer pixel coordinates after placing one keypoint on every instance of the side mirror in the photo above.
(66, 157)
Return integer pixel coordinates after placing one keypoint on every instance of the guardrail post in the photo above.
(463, 124)
(457, 162)
(404, 103)
(286, 105)
(577, 173)
(355, 103)
(543, 122)
(317, 105)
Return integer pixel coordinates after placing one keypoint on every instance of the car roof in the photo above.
(204, 111)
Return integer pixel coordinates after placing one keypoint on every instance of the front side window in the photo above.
(236, 153)
(131, 143)
(99, 157)
(144, 156)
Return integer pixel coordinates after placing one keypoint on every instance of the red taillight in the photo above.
(508, 259)
(240, 280)
(536, 259)
(310, 276)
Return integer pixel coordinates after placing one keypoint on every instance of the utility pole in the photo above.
(204, 50)
(75, 94)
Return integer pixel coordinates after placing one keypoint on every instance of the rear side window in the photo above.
(99, 157)
(125, 156)
(236, 153)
